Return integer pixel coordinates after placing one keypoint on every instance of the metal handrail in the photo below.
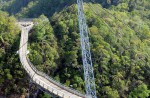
(38, 81)
(54, 81)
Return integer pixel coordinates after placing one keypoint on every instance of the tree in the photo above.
(141, 91)
(111, 93)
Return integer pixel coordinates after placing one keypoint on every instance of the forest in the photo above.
(119, 32)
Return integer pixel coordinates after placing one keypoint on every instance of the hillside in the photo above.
(119, 39)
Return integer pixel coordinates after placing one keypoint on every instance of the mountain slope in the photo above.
(120, 54)
(120, 50)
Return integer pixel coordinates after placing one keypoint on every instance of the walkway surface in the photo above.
(37, 77)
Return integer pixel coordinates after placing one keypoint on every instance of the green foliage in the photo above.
(46, 96)
(120, 53)
(11, 72)
(141, 91)
(45, 56)
(111, 93)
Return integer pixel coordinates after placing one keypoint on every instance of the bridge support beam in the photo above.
(33, 90)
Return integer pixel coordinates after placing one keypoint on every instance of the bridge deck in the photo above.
(42, 81)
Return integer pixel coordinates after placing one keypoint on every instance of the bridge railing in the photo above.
(53, 81)
(42, 84)
(25, 19)
(51, 89)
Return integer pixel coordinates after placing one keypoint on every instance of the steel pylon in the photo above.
(86, 54)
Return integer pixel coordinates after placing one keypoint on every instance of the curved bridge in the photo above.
(38, 77)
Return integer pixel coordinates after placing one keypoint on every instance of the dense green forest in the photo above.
(119, 33)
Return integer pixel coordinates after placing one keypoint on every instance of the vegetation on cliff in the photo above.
(119, 40)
